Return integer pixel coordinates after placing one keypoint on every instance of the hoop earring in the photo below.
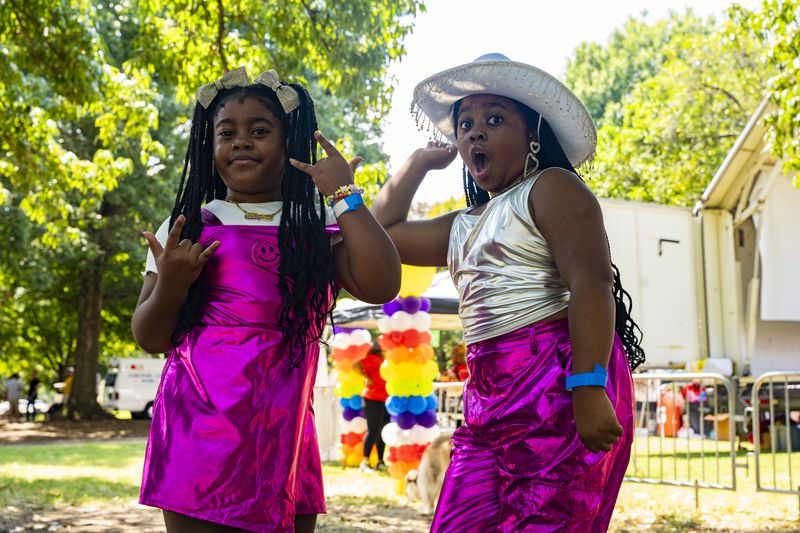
(531, 157)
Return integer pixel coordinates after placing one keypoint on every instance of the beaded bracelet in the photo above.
(344, 191)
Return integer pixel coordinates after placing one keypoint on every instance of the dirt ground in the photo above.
(344, 515)
(32, 432)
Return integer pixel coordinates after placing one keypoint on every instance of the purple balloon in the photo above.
(340, 329)
(349, 414)
(406, 420)
(427, 419)
(425, 304)
(390, 308)
(411, 304)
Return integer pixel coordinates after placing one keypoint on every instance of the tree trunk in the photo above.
(83, 400)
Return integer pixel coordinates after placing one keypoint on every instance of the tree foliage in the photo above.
(671, 117)
(777, 26)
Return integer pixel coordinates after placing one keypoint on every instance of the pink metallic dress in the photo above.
(232, 439)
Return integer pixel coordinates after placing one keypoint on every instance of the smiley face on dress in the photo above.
(265, 254)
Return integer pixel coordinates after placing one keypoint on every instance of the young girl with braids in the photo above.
(548, 404)
(237, 291)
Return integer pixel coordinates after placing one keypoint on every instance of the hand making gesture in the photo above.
(331, 172)
(179, 263)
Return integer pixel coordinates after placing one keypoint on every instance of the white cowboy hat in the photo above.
(496, 74)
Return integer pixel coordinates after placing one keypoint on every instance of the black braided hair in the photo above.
(306, 272)
(552, 155)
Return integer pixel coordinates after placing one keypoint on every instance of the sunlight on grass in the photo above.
(109, 474)
(646, 507)
(70, 474)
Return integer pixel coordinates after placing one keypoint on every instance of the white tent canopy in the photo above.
(443, 312)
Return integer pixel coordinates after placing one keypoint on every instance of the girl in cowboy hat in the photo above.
(549, 400)
(239, 281)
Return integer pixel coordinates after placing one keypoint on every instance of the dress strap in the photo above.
(209, 218)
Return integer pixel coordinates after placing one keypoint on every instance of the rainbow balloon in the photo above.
(409, 370)
(348, 349)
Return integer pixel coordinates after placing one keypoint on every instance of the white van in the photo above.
(131, 385)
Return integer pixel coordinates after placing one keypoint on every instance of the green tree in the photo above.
(775, 25)
(670, 129)
(603, 74)
(95, 95)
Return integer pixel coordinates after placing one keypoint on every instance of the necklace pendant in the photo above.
(249, 215)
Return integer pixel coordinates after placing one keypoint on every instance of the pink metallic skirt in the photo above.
(518, 463)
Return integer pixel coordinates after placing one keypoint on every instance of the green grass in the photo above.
(709, 463)
(69, 474)
(109, 474)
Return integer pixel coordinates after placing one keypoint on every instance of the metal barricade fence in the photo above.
(778, 435)
(450, 411)
(685, 430)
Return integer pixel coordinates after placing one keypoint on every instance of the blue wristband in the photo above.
(598, 377)
(348, 203)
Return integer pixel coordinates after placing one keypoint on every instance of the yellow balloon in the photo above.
(400, 486)
(415, 280)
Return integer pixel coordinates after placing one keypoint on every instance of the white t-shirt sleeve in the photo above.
(161, 236)
(330, 219)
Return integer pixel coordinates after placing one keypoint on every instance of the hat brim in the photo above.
(564, 112)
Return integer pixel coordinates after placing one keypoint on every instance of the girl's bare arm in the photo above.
(163, 295)
(421, 242)
(569, 216)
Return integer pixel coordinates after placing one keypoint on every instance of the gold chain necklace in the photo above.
(254, 215)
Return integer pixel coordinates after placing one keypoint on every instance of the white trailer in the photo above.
(131, 385)
(657, 250)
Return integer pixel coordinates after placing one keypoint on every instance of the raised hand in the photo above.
(595, 418)
(331, 172)
(179, 263)
(436, 155)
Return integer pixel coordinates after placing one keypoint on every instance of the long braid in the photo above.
(552, 155)
(306, 271)
(303, 242)
(474, 194)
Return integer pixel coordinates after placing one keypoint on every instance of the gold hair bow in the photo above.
(287, 96)
(233, 78)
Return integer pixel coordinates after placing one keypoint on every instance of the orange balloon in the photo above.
(343, 366)
(399, 355)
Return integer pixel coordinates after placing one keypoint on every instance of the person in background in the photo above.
(33, 395)
(375, 412)
(13, 389)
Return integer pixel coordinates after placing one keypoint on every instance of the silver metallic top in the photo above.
(503, 268)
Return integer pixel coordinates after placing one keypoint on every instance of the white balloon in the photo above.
(404, 437)
(415, 434)
(362, 336)
(422, 321)
(340, 341)
(358, 424)
(385, 325)
(423, 435)
(401, 321)
(390, 434)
